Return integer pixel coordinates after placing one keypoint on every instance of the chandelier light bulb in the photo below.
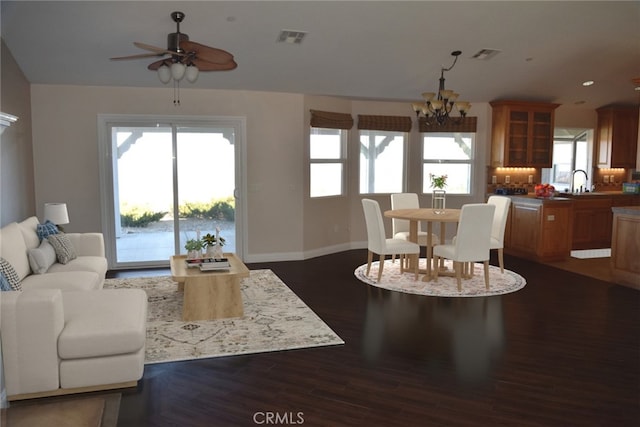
(164, 74)
(192, 73)
(178, 70)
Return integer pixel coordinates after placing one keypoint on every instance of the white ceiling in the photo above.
(389, 50)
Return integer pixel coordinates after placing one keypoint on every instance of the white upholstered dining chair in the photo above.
(472, 241)
(400, 227)
(502, 205)
(377, 241)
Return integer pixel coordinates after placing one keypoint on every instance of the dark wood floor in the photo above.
(564, 351)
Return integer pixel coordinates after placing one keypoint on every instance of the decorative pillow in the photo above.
(10, 275)
(4, 283)
(65, 251)
(45, 230)
(42, 257)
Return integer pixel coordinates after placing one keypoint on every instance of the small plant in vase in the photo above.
(193, 247)
(438, 198)
(214, 244)
(438, 181)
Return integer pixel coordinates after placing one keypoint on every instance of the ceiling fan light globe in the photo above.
(164, 74)
(191, 74)
(178, 70)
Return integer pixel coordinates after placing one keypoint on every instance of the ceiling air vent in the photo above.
(485, 54)
(291, 36)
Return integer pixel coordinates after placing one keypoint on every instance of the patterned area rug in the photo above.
(446, 286)
(274, 319)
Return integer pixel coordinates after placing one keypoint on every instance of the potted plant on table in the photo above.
(213, 244)
(438, 198)
(193, 247)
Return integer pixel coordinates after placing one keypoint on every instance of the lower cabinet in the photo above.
(539, 229)
(625, 246)
(592, 223)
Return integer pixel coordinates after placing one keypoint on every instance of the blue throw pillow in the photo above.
(45, 230)
(4, 283)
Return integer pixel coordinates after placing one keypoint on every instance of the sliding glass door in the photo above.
(168, 182)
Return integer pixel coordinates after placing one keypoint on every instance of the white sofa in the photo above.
(86, 272)
(56, 342)
(62, 333)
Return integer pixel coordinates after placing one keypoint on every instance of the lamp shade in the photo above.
(56, 213)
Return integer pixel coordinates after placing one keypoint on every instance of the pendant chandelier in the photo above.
(437, 108)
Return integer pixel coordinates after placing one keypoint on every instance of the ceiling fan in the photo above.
(185, 58)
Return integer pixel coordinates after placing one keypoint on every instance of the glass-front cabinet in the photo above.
(522, 134)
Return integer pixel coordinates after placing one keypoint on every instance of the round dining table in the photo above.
(428, 215)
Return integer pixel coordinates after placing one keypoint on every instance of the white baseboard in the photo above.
(299, 256)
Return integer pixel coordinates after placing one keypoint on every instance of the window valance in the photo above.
(385, 123)
(331, 120)
(466, 125)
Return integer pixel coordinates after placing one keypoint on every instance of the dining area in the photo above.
(479, 228)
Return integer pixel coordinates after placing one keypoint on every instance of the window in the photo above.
(327, 158)
(571, 150)
(382, 161)
(451, 154)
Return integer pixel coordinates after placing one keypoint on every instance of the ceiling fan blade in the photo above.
(210, 66)
(157, 50)
(140, 55)
(155, 65)
(149, 47)
(206, 53)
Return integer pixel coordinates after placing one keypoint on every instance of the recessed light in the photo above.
(588, 83)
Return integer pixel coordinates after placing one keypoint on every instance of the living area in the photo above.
(562, 350)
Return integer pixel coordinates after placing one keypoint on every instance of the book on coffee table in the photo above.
(209, 263)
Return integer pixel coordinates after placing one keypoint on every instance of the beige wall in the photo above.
(282, 223)
(66, 156)
(17, 199)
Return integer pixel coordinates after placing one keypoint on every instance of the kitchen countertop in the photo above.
(627, 210)
(564, 197)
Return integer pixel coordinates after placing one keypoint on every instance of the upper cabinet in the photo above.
(617, 137)
(522, 134)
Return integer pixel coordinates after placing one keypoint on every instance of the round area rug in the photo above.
(446, 286)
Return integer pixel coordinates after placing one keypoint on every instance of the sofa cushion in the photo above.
(103, 323)
(42, 257)
(7, 270)
(65, 251)
(95, 264)
(28, 229)
(14, 250)
(68, 281)
(45, 230)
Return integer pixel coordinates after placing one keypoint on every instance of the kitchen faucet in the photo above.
(573, 176)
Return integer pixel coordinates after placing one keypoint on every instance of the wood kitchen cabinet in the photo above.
(625, 246)
(522, 134)
(592, 223)
(616, 137)
(539, 229)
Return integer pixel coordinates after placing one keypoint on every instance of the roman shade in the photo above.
(331, 120)
(385, 123)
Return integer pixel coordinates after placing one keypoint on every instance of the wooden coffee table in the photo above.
(210, 294)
